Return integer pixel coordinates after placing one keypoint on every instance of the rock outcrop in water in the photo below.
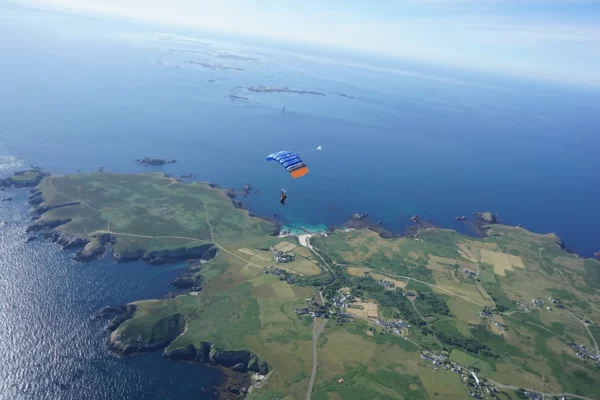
(154, 162)
(362, 221)
(486, 217)
(483, 220)
(116, 315)
(95, 248)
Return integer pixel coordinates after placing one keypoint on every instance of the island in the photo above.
(237, 57)
(214, 66)
(279, 89)
(343, 95)
(234, 96)
(153, 162)
(349, 314)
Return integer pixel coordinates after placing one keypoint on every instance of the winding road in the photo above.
(587, 328)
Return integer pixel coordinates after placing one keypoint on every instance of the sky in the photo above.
(555, 40)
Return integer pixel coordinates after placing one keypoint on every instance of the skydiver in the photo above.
(283, 196)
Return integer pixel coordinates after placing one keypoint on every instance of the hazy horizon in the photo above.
(555, 40)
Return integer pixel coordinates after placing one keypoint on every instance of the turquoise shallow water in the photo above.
(296, 229)
(437, 142)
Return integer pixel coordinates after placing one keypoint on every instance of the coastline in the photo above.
(237, 383)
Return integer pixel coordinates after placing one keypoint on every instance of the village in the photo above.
(343, 307)
(584, 354)
(281, 257)
(477, 386)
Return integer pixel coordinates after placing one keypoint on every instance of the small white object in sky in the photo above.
(319, 148)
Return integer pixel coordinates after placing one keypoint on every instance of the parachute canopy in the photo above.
(291, 162)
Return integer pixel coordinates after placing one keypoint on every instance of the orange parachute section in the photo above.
(299, 172)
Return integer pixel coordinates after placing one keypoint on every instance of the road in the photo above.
(408, 278)
(427, 323)
(69, 197)
(318, 326)
(500, 385)
(569, 311)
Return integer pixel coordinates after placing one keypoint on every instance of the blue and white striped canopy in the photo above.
(291, 161)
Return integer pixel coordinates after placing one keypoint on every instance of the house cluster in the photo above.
(528, 394)
(410, 294)
(556, 302)
(522, 306)
(586, 320)
(537, 302)
(387, 284)
(500, 326)
(313, 312)
(282, 257)
(469, 273)
(281, 273)
(394, 325)
(479, 387)
(485, 313)
(584, 354)
(342, 299)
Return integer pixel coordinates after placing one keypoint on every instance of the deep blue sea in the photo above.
(77, 94)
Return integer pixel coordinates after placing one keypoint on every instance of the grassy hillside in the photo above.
(150, 211)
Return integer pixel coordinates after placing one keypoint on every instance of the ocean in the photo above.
(397, 139)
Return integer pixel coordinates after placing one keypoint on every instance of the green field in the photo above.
(151, 212)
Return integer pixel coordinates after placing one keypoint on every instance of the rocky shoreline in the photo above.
(23, 179)
(362, 221)
(236, 365)
(96, 246)
(239, 366)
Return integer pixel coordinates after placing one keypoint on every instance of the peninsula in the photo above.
(347, 315)
(29, 178)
